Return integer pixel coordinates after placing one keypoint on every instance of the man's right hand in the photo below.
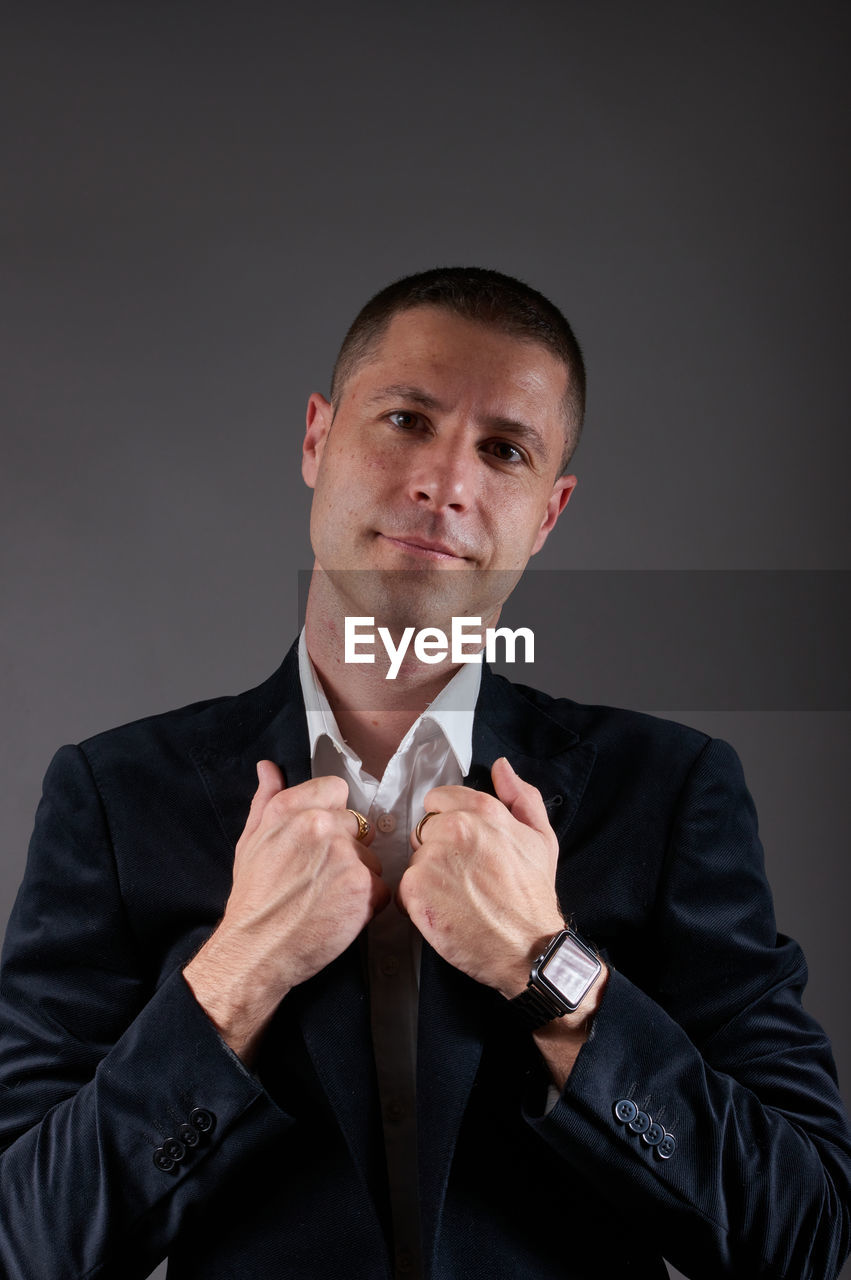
(303, 889)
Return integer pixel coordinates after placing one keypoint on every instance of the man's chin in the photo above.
(424, 597)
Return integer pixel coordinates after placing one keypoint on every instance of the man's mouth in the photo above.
(428, 548)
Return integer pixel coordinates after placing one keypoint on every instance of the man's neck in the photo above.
(373, 713)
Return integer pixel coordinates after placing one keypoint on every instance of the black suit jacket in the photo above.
(105, 1056)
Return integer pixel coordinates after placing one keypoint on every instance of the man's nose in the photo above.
(444, 476)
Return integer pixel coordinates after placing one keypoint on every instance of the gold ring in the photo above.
(363, 825)
(418, 829)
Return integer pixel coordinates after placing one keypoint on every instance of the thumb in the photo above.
(523, 801)
(270, 781)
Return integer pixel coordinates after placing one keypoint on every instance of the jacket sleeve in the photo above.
(115, 1098)
(752, 1180)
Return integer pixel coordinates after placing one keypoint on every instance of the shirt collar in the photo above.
(451, 712)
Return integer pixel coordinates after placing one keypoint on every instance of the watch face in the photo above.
(570, 970)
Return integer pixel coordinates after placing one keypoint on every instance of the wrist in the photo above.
(516, 978)
(560, 1042)
(235, 997)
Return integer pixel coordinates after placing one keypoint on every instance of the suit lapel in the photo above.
(455, 1011)
(333, 1007)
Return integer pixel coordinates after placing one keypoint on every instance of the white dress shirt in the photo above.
(436, 751)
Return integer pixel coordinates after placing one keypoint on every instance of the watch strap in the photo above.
(535, 1008)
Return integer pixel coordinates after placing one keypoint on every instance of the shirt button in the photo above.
(386, 823)
(626, 1110)
(404, 1262)
(389, 966)
(395, 1110)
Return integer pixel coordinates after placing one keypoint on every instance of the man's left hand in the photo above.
(481, 886)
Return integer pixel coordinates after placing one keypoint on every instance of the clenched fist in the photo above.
(303, 889)
(481, 885)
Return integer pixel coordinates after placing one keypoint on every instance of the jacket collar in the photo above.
(265, 723)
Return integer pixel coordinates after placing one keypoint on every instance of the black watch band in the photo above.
(535, 1009)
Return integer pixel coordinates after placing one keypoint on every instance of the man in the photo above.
(305, 1033)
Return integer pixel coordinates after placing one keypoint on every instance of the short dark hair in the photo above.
(488, 297)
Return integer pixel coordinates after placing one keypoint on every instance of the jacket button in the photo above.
(640, 1122)
(667, 1147)
(202, 1119)
(654, 1134)
(189, 1135)
(625, 1110)
(173, 1149)
(163, 1161)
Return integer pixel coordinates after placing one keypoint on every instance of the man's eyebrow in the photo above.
(523, 432)
(403, 391)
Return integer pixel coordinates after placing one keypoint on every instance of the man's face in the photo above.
(435, 478)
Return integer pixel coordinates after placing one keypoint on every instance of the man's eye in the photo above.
(506, 452)
(400, 418)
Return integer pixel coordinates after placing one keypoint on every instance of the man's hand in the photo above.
(303, 889)
(481, 889)
(481, 886)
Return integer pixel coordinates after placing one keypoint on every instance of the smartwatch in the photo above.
(560, 979)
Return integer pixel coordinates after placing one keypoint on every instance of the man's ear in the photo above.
(319, 417)
(556, 503)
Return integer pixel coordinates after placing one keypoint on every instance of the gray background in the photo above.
(198, 197)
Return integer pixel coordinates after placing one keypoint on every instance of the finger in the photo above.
(369, 859)
(318, 793)
(442, 799)
(270, 782)
(523, 801)
(421, 852)
(325, 792)
(399, 896)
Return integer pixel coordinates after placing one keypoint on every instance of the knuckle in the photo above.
(459, 828)
(314, 824)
